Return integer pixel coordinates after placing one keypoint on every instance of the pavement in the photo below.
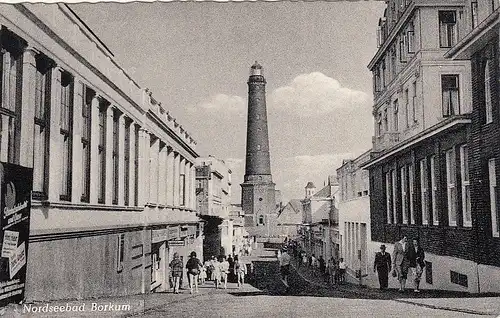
(264, 295)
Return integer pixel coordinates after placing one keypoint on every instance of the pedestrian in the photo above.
(284, 261)
(304, 258)
(203, 274)
(230, 274)
(216, 272)
(382, 266)
(208, 268)
(176, 269)
(224, 270)
(240, 269)
(342, 270)
(401, 262)
(332, 270)
(313, 263)
(212, 268)
(416, 257)
(193, 268)
(322, 265)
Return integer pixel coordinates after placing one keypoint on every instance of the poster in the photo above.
(15, 204)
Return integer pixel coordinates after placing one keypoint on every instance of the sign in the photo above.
(16, 183)
(176, 243)
(17, 260)
(159, 235)
(173, 233)
(9, 245)
(184, 231)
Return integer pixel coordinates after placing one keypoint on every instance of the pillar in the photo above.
(94, 150)
(143, 168)
(55, 137)
(121, 161)
(176, 178)
(133, 150)
(27, 109)
(170, 177)
(77, 154)
(162, 175)
(109, 156)
(182, 171)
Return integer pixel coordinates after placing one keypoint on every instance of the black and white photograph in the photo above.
(250, 158)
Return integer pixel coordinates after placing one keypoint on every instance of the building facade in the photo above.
(213, 195)
(354, 219)
(290, 219)
(113, 170)
(258, 196)
(480, 46)
(422, 182)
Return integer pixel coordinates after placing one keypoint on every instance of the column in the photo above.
(170, 177)
(94, 150)
(182, 171)
(55, 137)
(143, 167)
(121, 161)
(131, 168)
(77, 155)
(27, 109)
(187, 186)
(162, 174)
(193, 188)
(176, 178)
(155, 154)
(109, 155)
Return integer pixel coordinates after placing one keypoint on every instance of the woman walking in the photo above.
(193, 266)
(224, 270)
(176, 268)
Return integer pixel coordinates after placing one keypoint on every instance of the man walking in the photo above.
(400, 261)
(382, 266)
(284, 260)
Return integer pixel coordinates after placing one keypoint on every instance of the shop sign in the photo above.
(173, 233)
(159, 235)
(15, 204)
(176, 243)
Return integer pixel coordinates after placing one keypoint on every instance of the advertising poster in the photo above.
(15, 203)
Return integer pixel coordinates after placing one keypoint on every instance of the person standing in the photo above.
(322, 266)
(203, 274)
(416, 257)
(216, 272)
(401, 262)
(304, 258)
(193, 268)
(240, 269)
(224, 270)
(230, 274)
(332, 270)
(382, 266)
(284, 261)
(176, 268)
(342, 270)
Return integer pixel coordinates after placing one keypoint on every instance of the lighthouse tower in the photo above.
(258, 199)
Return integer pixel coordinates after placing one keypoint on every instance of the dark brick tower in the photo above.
(258, 190)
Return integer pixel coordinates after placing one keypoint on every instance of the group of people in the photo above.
(332, 270)
(406, 257)
(215, 269)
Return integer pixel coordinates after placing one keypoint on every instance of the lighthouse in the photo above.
(258, 199)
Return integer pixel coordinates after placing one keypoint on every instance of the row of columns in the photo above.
(159, 167)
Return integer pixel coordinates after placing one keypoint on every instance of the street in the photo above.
(266, 296)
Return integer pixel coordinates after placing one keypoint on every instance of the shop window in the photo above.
(66, 131)
(428, 272)
(459, 279)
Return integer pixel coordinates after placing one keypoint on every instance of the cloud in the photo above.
(316, 94)
(222, 103)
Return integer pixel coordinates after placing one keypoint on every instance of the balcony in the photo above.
(385, 141)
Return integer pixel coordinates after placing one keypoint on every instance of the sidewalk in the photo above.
(435, 299)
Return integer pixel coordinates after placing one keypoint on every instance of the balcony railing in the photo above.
(385, 141)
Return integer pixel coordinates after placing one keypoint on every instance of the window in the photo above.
(89, 95)
(424, 193)
(495, 216)
(386, 121)
(410, 34)
(473, 9)
(487, 93)
(126, 162)
(411, 179)
(120, 252)
(428, 272)
(388, 195)
(414, 102)
(10, 98)
(402, 50)
(459, 279)
(393, 63)
(115, 154)
(396, 115)
(464, 171)
(394, 196)
(66, 130)
(101, 174)
(447, 28)
(434, 210)
(450, 95)
(379, 125)
(451, 187)
(383, 75)
(182, 192)
(261, 220)
(42, 124)
(404, 194)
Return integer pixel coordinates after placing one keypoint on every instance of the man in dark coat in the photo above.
(382, 266)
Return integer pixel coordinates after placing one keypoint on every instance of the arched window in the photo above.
(261, 220)
(487, 93)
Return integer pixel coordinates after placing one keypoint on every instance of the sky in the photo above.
(195, 58)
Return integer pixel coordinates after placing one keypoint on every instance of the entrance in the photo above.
(159, 266)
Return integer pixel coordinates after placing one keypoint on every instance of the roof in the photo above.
(256, 65)
(291, 213)
(310, 185)
(326, 192)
